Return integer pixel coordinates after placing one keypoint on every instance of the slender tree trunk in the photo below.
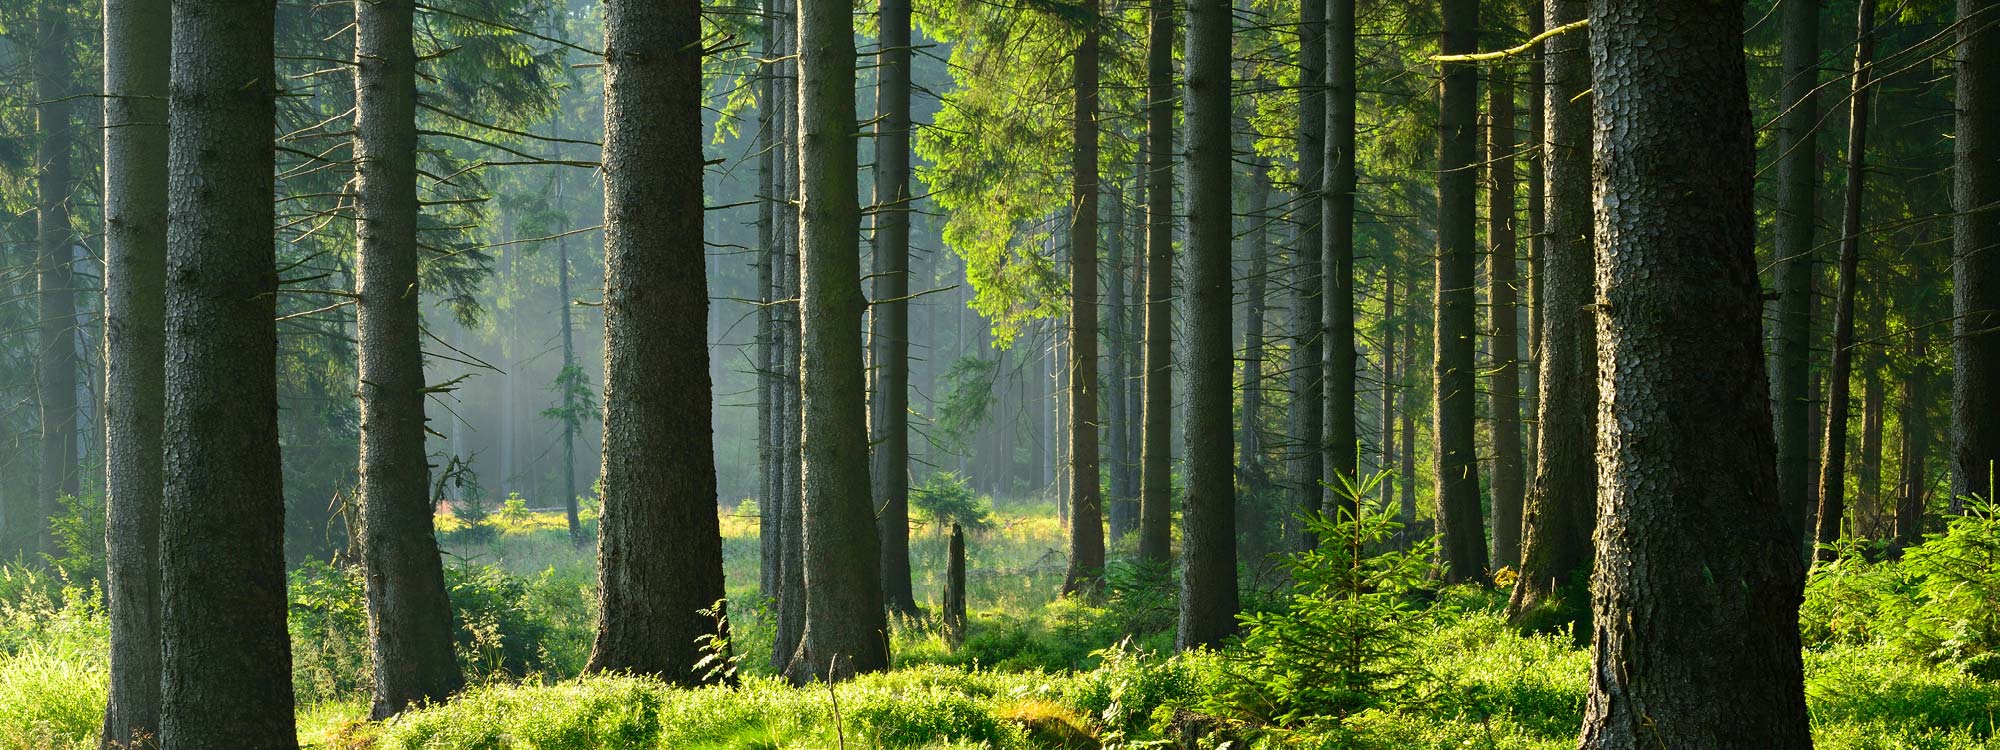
(1561, 507)
(890, 319)
(410, 633)
(226, 679)
(1697, 599)
(56, 363)
(1135, 342)
(1086, 515)
(1797, 149)
(1406, 510)
(1503, 382)
(1975, 398)
(1868, 476)
(1156, 454)
(769, 466)
(1253, 511)
(571, 373)
(1208, 528)
(1389, 383)
(136, 55)
(791, 620)
(1833, 453)
(1118, 379)
(1308, 361)
(1536, 153)
(845, 630)
(954, 586)
(1337, 259)
(1458, 512)
(1916, 446)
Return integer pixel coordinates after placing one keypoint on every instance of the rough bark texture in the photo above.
(1086, 501)
(1155, 453)
(768, 208)
(1118, 382)
(1531, 365)
(791, 593)
(56, 355)
(1797, 149)
(1208, 527)
(1561, 506)
(1307, 416)
(1503, 378)
(1459, 515)
(1249, 431)
(890, 319)
(659, 459)
(1833, 452)
(1390, 386)
(136, 53)
(1975, 397)
(1337, 256)
(226, 659)
(845, 629)
(1916, 447)
(409, 616)
(954, 586)
(1698, 583)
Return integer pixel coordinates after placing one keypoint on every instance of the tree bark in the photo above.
(1308, 360)
(1458, 508)
(659, 460)
(1561, 507)
(1156, 454)
(1916, 446)
(1975, 398)
(226, 660)
(1118, 384)
(769, 466)
(890, 317)
(1086, 501)
(410, 633)
(56, 360)
(1531, 364)
(137, 50)
(1337, 261)
(1208, 526)
(1797, 148)
(1389, 382)
(1249, 434)
(791, 579)
(1833, 453)
(1697, 595)
(846, 632)
(1503, 382)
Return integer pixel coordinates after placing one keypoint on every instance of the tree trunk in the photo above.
(1337, 260)
(226, 680)
(1406, 510)
(1531, 364)
(410, 633)
(56, 361)
(571, 373)
(1503, 382)
(1916, 446)
(1135, 343)
(954, 587)
(1086, 515)
(791, 619)
(1975, 398)
(845, 629)
(1868, 475)
(769, 465)
(1156, 454)
(1389, 383)
(1697, 599)
(890, 318)
(1458, 512)
(1208, 526)
(1118, 378)
(136, 50)
(1833, 453)
(1308, 364)
(1253, 511)
(1561, 507)
(1797, 149)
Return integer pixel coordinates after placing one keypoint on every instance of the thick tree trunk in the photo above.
(1459, 515)
(1208, 527)
(1833, 452)
(890, 318)
(1561, 507)
(1975, 398)
(410, 633)
(1797, 149)
(846, 632)
(1156, 453)
(56, 360)
(1086, 502)
(226, 679)
(1503, 380)
(136, 54)
(1337, 257)
(1697, 597)
(1308, 410)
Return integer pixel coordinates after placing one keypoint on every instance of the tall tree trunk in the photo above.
(1697, 599)
(1868, 475)
(572, 374)
(791, 619)
(56, 363)
(769, 465)
(226, 680)
(1208, 526)
(1389, 383)
(890, 318)
(845, 630)
(1561, 507)
(1253, 510)
(1118, 382)
(1086, 515)
(1975, 398)
(136, 54)
(1135, 342)
(1406, 504)
(1308, 410)
(1537, 155)
(1156, 454)
(1337, 258)
(410, 633)
(1916, 445)
(1503, 382)
(1833, 453)
(1797, 149)
(1458, 512)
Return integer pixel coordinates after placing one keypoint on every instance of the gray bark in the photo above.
(56, 361)
(1459, 516)
(1156, 452)
(1797, 148)
(1975, 397)
(1307, 413)
(1503, 378)
(1833, 464)
(1337, 254)
(890, 319)
(1086, 501)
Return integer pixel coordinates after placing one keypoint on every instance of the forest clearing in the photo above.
(1005, 374)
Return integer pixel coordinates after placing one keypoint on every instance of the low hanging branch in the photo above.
(1524, 48)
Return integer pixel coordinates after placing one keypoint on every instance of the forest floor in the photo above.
(1033, 672)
